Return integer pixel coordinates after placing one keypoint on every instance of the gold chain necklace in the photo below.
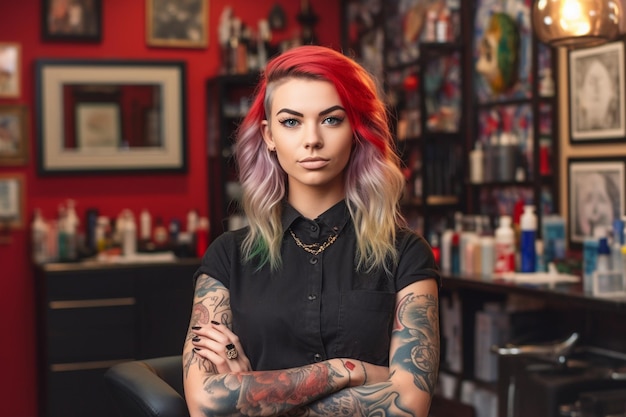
(314, 248)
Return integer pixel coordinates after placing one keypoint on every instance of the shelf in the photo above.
(568, 294)
(442, 200)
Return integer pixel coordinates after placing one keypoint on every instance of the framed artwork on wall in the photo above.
(596, 196)
(177, 24)
(76, 20)
(10, 69)
(596, 88)
(12, 198)
(13, 135)
(106, 116)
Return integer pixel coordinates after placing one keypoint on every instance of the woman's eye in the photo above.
(333, 120)
(289, 122)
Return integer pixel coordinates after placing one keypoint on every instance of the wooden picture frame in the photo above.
(135, 88)
(77, 20)
(597, 196)
(177, 24)
(14, 135)
(12, 201)
(597, 108)
(10, 69)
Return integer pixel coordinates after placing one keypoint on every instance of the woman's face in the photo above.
(308, 127)
(594, 204)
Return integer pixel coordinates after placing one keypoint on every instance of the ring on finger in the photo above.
(231, 351)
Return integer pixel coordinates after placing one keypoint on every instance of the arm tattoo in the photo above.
(211, 302)
(271, 392)
(417, 327)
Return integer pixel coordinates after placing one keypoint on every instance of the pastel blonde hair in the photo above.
(374, 181)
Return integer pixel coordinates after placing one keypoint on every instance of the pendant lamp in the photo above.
(576, 23)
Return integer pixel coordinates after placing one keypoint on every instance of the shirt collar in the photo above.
(335, 217)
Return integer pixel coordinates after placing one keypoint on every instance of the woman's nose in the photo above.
(313, 138)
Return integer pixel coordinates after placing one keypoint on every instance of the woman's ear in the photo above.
(267, 135)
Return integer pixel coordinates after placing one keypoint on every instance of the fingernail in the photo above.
(195, 339)
(196, 349)
(196, 327)
(214, 322)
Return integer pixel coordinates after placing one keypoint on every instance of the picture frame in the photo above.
(76, 21)
(10, 69)
(131, 89)
(166, 28)
(12, 201)
(14, 135)
(98, 125)
(596, 193)
(597, 108)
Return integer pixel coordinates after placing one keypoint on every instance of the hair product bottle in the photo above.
(528, 227)
(504, 245)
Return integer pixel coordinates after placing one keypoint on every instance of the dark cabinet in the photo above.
(91, 316)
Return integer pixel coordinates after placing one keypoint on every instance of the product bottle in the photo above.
(434, 244)
(528, 227)
(487, 255)
(477, 161)
(202, 236)
(129, 234)
(504, 246)
(590, 257)
(145, 227)
(446, 248)
(39, 230)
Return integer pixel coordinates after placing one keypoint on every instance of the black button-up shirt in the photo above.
(315, 307)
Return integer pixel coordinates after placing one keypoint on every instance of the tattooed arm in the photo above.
(216, 386)
(413, 370)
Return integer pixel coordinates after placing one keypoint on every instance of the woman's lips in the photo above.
(313, 163)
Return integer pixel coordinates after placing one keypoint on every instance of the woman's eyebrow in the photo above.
(331, 109)
(292, 112)
(322, 113)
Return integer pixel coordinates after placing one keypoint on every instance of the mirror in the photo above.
(110, 116)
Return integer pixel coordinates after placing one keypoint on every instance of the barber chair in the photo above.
(148, 388)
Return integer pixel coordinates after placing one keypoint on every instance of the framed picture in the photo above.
(13, 135)
(12, 200)
(596, 196)
(177, 23)
(106, 116)
(596, 85)
(9, 70)
(76, 20)
(98, 126)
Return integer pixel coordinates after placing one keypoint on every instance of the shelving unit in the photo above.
(426, 84)
(228, 100)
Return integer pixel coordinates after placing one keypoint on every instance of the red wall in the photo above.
(169, 196)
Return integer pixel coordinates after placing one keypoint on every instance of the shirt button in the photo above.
(313, 228)
(312, 297)
(313, 261)
(317, 357)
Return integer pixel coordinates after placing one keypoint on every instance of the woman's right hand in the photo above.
(366, 373)
(213, 342)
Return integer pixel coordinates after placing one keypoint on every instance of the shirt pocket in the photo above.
(365, 322)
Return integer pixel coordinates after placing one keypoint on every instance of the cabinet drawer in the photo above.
(78, 285)
(83, 334)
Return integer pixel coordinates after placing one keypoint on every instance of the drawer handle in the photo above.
(100, 302)
(83, 366)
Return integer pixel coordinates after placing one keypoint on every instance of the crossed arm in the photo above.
(216, 386)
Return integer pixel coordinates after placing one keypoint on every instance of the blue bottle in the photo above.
(528, 227)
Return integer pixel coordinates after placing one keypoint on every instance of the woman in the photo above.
(326, 304)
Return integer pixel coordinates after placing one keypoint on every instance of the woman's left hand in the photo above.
(218, 344)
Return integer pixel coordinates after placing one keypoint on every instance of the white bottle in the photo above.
(477, 161)
(39, 230)
(487, 257)
(504, 246)
(192, 221)
(129, 234)
(145, 226)
(446, 248)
